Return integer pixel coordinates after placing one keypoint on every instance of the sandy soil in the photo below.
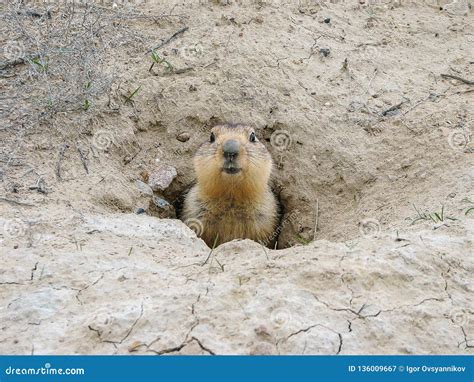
(366, 108)
(341, 155)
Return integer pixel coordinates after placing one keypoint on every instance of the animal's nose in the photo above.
(231, 148)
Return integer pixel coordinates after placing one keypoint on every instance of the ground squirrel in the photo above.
(232, 198)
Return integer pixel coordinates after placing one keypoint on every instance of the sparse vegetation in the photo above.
(435, 217)
(42, 66)
(470, 208)
(132, 94)
(302, 240)
(160, 61)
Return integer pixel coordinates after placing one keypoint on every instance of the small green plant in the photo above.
(160, 61)
(435, 217)
(132, 94)
(40, 65)
(302, 240)
(470, 209)
(86, 104)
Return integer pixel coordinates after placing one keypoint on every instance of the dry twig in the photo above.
(168, 40)
(457, 78)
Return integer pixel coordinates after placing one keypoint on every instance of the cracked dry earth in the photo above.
(124, 283)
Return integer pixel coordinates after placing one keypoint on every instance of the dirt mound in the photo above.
(135, 284)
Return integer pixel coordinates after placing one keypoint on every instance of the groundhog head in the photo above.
(233, 162)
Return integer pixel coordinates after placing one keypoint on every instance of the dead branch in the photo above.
(61, 156)
(16, 202)
(457, 78)
(393, 108)
(83, 159)
(167, 41)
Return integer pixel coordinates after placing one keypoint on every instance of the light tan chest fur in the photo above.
(227, 220)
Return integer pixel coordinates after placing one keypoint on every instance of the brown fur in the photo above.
(232, 206)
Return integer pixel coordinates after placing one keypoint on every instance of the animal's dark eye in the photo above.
(252, 137)
(212, 138)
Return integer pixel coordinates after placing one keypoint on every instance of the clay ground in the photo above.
(367, 110)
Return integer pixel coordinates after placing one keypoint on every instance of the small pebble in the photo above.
(183, 137)
(161, 178)
(143, 187)
(327, 20)
(140, 210)
(165, 210)
(160, 203)
(405, 163)
(324, 51)
(457, 8)
(144, 175)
